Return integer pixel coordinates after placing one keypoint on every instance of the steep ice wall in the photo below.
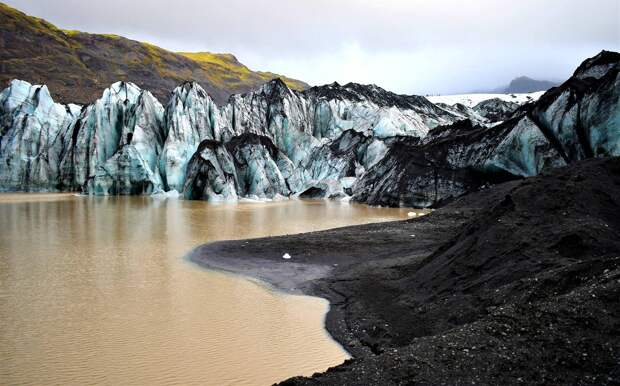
(124, 115)
(345, 158)
(191, 117)
(126, 172)
(307, 128)
(597, 66)
(97, 134)
(523, 151)
(454, 160)
(382, 147)
(373, 111)
(248, 165)
(276, 112)
(579, 119)
(33, 135)
(211, 174)
(146, 130)
(583, 115)
(258, 162)
(126, 137)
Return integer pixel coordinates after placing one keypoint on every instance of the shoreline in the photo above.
(292, 278)
(482, 290)
(313, 270)
(299, 281)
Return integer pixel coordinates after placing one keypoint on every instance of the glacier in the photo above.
(577, 120)
(332, 141)
(34, 136)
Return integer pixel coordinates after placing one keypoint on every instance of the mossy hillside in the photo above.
(226, 69)
(78, 66)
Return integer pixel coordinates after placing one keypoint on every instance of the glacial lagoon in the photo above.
(97, 290)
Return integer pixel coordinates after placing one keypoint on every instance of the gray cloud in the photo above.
(415, 46)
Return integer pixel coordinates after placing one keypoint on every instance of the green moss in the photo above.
(224, 69)
(71, 32)
(75, 54)
(13, 19)
(111, 36)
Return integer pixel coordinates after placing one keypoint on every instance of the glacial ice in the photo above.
(524, 151)
(211, 174)
(128, 138)
(124, 115)
(171, 194)
(577, 120)
(191, 116)
(329, 141)
(33, 137)
(125, 173)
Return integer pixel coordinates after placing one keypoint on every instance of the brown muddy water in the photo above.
(96, 290)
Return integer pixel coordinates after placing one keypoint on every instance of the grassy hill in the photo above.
(225, 71)
(78, 66)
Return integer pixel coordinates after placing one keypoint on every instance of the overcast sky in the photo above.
(415, 46)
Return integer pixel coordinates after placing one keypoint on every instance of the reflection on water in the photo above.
(95, 291)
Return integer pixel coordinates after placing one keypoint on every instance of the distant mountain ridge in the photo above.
(519, 85)
(78, 66)
(524, 84)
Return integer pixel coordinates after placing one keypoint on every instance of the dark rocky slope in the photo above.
(78, 66)
(579, 119)
(516, 284)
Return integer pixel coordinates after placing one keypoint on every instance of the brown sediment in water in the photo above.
(34, 197)
(95, 290)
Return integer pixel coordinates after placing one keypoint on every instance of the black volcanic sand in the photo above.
(515, 284)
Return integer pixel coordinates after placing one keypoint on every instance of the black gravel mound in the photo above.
(526, 290)
(514, 284)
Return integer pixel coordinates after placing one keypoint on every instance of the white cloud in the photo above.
(406, 46)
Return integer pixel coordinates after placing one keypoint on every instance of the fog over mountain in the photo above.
(405, 46)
